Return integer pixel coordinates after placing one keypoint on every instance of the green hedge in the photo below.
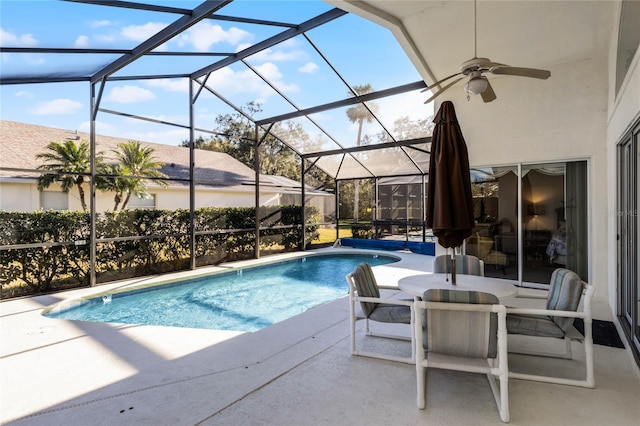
(362, 230)
(159, 243)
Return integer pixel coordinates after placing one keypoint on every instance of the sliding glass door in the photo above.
(530, 220)
(495, 237)
(628, 233)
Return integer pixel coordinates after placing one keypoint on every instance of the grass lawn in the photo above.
(328, 235)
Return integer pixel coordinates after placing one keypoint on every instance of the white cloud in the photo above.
(101, 128)
(308, 68)
(8, 39)
(227, 79)
(23, 94)
(205, 34)
(271, 72)
(170, 85)
(409, 105)
(130, 129)
(243, 46)
(130, 94)
(142, 32)
(171, 137)
(81, 41)
(231, 82)
(57, 106)
(278, 54)
(100, 23)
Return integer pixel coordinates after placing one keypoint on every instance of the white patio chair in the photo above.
(465, 331)
(465, 264)
(556, 322)
(364, 289)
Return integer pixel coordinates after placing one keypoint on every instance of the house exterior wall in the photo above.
(559, 119)
(16, 196)
(623, 110)
(25, 196)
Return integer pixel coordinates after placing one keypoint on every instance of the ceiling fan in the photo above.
(475, 68)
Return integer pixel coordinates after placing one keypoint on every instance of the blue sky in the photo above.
(361, 51)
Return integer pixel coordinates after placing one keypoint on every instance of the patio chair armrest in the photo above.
(388, 287)
(549, 312)
(399, 302)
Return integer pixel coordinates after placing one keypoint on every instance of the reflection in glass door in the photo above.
(495, 236)
(554, 218)
(628, 229)
(531, 220)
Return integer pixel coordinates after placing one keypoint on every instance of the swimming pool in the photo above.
(242, 300)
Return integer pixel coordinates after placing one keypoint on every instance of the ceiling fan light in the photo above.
(476, 85)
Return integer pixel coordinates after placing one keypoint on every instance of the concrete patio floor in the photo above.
(297, 372)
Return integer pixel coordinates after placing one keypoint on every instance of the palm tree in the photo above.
(115, 182)
(359, 114)
(71, 161)
(136, 161)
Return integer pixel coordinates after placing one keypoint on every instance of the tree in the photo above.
(115, 182)
(405, 128)
(71, 161)
(235, 135)
(135, 162)
(359, 114)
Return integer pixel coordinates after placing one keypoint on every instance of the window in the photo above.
(53, 200)
(628, 38)
(136, 202)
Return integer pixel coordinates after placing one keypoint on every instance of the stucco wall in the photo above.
(623, 111)
(536, 121)
(24, 196)
(16, 196)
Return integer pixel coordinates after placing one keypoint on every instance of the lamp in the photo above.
(476, 84)
(536, 210)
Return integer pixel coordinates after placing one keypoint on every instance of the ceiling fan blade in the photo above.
(435, 95)
(488, 95)
(438, 83)
(522, 72)
(490, 65)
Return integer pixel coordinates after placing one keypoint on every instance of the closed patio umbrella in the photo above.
(449, 200)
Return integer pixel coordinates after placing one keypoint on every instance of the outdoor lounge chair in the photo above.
(465, 331)
(363, 288)
(465, 264)
(556, 322)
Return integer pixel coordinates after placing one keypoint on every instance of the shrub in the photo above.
(159, 242)
(361, 230)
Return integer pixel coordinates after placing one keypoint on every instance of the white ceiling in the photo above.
(438, 35)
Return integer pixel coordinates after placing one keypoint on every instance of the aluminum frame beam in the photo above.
(372, 147)
(272, 41)
(345, 102)
(178, 10)
(199, 13)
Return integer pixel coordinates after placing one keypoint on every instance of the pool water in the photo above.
(243, 300)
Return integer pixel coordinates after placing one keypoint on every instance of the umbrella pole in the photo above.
(453, 267)
(446, 270)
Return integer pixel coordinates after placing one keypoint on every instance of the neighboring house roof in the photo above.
(21, 142)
